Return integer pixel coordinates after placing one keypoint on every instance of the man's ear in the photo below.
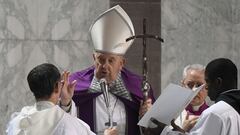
(94, 56)
(123, 61)
(56, 88)
(218, 82)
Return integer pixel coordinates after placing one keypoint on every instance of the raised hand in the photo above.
(67, 89)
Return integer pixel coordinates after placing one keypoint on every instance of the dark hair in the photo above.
(42, 79)
(225, 69)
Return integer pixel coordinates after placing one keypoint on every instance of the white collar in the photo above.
(41, 105)
(196, 107)
(229, 91)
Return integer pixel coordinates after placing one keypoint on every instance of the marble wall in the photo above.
(198, 31)
(56, 31)
(37, 31)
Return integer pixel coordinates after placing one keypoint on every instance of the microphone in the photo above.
(104, 89)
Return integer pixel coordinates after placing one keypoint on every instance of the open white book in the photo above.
(169, 104)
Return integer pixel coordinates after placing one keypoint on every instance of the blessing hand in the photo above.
(67, 89)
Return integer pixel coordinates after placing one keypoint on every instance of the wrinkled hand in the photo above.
(189, 122)
(111, 131)
(67, 89)
(155, 131)
(145, 106)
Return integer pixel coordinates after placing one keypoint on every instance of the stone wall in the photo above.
(56, 31)
(37, 31)
(198, 31)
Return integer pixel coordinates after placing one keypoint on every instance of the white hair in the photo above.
(192, 67)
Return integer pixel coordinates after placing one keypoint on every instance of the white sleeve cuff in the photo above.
(66, 108)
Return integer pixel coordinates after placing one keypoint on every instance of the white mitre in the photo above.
(110, 31)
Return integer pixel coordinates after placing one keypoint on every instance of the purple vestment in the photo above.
(85, 100)
(190, 110)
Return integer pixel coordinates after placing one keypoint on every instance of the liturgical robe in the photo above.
(86, 101)
(45, 118)
(222, 118)
(192, 111)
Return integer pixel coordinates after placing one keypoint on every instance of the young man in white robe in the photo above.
(222, 118)
(46, 117)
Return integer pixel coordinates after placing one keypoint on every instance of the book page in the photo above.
(169, 104)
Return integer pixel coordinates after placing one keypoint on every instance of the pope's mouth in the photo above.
(104, 74)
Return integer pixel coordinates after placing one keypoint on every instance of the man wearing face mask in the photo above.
(193, 76)
(109, 33)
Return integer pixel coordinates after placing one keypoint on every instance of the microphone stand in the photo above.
(104, 88)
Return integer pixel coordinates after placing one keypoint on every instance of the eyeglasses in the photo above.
(192, 85)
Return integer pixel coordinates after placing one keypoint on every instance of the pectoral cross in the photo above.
(111, 125)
